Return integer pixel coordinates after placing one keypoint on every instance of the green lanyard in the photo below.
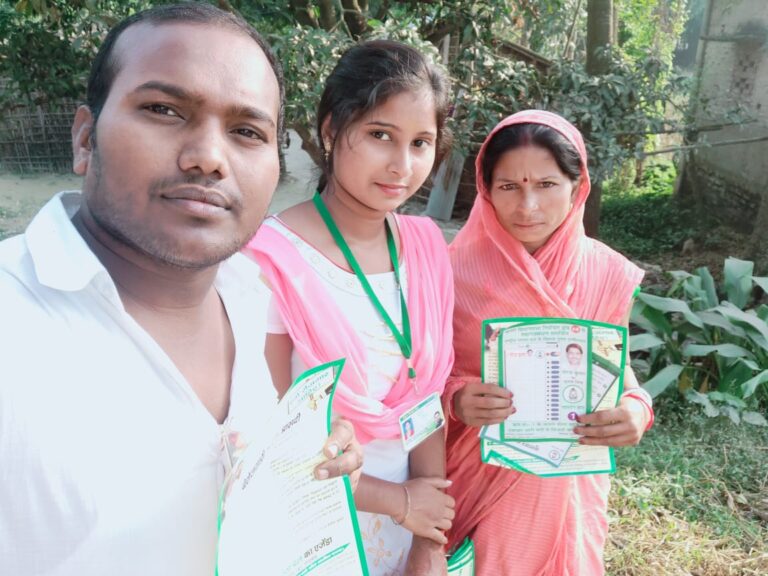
(404, 338)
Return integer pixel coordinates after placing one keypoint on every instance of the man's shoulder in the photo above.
(16, 269)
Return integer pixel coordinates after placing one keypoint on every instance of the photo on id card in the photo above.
(421, 421)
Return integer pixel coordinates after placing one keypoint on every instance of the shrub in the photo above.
(709, 340)
(645, 220)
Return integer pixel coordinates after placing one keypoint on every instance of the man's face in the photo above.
(185, 158)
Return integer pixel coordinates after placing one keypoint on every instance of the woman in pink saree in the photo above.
(523, 252)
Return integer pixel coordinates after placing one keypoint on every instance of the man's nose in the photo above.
(205, 150)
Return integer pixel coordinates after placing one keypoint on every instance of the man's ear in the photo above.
(82, 140)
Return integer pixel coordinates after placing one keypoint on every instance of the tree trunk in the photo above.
(759, 242)
(309, 145)
(305, 15)
(354, 16)
(328, 19)
(600, 34)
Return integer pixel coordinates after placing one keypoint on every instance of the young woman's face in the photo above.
(530, 194)
(382, 159)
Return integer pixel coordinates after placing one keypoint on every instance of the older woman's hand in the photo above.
(620, 426)
(481, 404)
(344, 453)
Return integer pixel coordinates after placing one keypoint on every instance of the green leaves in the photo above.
(644, 342)
(738, 281)
(724, 350)
(716, 351)
(663, 379)
(667, 305)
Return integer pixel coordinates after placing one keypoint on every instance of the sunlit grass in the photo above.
(691, 499)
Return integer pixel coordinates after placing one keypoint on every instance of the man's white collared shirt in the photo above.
(109, 462)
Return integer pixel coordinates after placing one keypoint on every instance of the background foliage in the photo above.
(47, 45)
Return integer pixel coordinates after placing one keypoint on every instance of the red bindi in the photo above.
(525, 179)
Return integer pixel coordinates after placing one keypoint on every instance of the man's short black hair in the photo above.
(106, 66)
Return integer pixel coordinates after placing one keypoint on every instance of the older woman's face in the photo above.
(530, 194)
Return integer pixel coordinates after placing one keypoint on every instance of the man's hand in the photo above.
(426, 558)
(620, 426)
(480, 404)
(344, 453)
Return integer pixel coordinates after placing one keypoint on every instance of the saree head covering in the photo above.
(558, 523)
(321, 333)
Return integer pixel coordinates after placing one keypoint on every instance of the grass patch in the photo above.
(691, 499)
(645, 220)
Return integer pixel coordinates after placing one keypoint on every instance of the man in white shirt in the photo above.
(131, 330)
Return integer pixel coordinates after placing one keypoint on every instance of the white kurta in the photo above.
(386, 544)
(109, 462)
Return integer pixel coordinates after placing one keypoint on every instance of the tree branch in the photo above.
(707, 145)
(355, 18)
(305, 15)
(308, 144)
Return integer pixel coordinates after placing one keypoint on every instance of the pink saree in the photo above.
(321, 333)
(524, 525)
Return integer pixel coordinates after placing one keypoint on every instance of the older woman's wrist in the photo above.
(646, 400)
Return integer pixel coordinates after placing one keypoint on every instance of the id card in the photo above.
(419, 422)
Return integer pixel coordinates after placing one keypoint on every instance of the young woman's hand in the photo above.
(431, 510)
(481, 404)
(620, 426)
(343, 452)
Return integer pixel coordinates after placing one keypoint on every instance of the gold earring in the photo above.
(326, 150)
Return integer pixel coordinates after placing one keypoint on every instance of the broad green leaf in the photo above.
(751, 364)
(720, 321)
(708, 284)
(667, 305)
(703, 399)
(749, 387)
(751, 320)
(754, 418)
(738, 281)
(662, 379)
(728, 399)
(732, 413)
(762, 312)
(644, 342)
(640, 365)
(725, 350)
(650, 319)
(734, 375)
(761, 281)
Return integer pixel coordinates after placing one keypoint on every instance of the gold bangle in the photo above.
(407, 506)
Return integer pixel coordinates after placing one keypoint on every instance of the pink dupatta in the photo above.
(571, 276)
(321, 333)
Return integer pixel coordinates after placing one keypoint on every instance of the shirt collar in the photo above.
(61, 258)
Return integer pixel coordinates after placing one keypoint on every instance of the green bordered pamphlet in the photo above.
(556, 368)
(462, 561)
(274, 517)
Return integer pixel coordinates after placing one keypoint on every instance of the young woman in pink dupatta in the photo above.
(523, 252)
(381, 120)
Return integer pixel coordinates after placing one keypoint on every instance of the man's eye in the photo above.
(161, 109)
(250, 134)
